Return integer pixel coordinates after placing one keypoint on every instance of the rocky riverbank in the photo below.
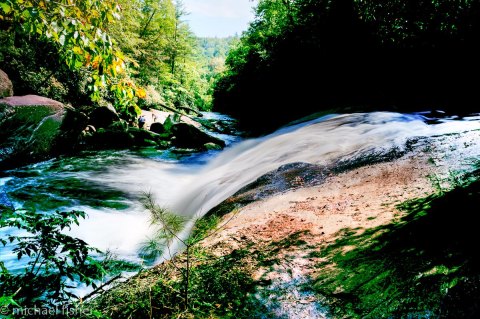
(352, 240)
(35, 128)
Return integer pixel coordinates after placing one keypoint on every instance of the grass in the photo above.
(425, 266)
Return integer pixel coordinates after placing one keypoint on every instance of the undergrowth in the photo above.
(220, 287)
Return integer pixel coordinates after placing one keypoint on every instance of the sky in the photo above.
(218, 18)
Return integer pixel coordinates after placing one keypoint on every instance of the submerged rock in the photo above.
(34, 128)
(212, 146)
(6, 87)
(143, 137)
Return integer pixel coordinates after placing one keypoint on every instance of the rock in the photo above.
(6, 87)
(143, 137)
(222, 126)
(154, 116)
(34, 128)
(212, 146)
(188, 120)
(158, 128)
(188, 136)
(103, 116)
(110, 138)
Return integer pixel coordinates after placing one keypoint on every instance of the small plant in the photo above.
(168, 226)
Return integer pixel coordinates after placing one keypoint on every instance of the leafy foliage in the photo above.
(35, 67)
(164, 53)
(167, 226)
(79, 31)
(211, 55)
(54, 260)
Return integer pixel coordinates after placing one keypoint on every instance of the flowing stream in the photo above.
(107, 184)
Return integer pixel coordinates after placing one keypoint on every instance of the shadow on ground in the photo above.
(425, 266)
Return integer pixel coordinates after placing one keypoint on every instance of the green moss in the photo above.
(33, 114)
(44, 136)
(204, 226)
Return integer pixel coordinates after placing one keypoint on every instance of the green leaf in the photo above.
(78, 64)
(6, 7)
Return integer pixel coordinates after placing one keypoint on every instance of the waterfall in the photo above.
(192, 187)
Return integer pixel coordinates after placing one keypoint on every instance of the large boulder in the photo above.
(104, 116)
(154, 116)
(6, 87)
(189, 136)
(158, 128)
(34, 128)
(186, 119)
(160, 116)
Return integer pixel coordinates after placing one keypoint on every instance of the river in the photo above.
(107, 184)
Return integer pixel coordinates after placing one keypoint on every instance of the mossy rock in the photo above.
(212, 147)
(35, 128)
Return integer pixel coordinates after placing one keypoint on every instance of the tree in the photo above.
(158, 42)
(307, 56)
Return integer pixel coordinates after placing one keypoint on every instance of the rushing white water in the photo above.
(192, 188)
(322, 141)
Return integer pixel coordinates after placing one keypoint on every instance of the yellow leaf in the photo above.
(77, 50)
(141, 93)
